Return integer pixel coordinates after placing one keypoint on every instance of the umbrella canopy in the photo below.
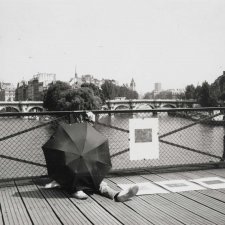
(77, 156)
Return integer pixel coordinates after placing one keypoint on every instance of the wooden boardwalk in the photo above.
(27, 202)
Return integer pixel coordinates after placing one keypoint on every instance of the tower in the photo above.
(132, 85)
(158, 87)
(76, 73)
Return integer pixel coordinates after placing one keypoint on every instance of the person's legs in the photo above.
(107, 191)
(79, 194)
(124, 195)
(119, 196)
(52, 184)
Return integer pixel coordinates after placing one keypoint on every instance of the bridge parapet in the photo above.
(22, 106)
(149, 103)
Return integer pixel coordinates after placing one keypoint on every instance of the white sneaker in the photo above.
(126, 194)
(53, 184)
(80, 195)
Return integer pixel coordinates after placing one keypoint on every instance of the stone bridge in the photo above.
(148, 104)
(21, 106)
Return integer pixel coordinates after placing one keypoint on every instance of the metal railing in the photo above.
(187, 137)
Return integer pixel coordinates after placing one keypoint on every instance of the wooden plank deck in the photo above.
(27, 202)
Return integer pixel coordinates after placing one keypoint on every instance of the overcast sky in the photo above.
(175, 42)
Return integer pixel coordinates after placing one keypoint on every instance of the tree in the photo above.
(148, 95)
(61, 97)
(97, 91)
(190, 92)
(109, 90)
(54, 93)
(205, 98)
(197, 92)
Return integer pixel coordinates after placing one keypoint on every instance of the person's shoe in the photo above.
(126, 194)
(53, 184)
(80, 195)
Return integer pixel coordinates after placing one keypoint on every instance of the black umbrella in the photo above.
(77, 155)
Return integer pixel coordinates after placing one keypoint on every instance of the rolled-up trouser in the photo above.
(107, 191)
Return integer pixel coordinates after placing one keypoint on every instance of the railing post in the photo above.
(223, 156)
(69, 118)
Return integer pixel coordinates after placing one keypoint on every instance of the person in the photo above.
(104, 190)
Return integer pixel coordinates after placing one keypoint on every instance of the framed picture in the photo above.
(143, 139)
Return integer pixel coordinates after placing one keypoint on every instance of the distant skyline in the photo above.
(174, 42)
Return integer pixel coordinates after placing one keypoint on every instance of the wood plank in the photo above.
(1, 216)
(216, 194)
(94, 212)
(207, 201)
(146, 210)
(12, 207)
(202, 174)
(167, 207)
(152, 177)
(173, 176)
(119, 210)
(221, 190)
(65, 210)
(217, 172)
(171, 208)
(212, 206)
(37, 206)
(196, 208)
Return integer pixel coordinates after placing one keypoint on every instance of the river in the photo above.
(200, 137)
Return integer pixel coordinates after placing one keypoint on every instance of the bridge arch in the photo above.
(9, 109)
(35, 109)
(104, 107)
(170, 106)
(153, 103)
(121, 107)
(144, 106)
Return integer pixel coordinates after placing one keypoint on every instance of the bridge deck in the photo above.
(28, 202)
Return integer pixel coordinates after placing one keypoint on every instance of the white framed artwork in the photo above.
(179, 185)
(211, 182)
(143, 138)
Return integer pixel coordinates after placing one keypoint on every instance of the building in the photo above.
(170, 94)
(7, 92)
(45, 78)
(34, 89)
(132, 85)
(39, 84)
(22, 91)
(89, 79)
(77, 81)
(176, 92)
(158, 87)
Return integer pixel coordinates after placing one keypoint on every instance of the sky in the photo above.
(174, 42)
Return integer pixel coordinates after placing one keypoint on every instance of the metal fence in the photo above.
(187, 137)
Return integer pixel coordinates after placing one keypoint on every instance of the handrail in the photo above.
(114, 111)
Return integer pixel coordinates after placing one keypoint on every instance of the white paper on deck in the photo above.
(145, 188)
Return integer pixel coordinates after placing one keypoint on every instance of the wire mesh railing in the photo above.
(186, 137)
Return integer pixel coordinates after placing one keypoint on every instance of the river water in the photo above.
(27, 146)
(200, 137)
